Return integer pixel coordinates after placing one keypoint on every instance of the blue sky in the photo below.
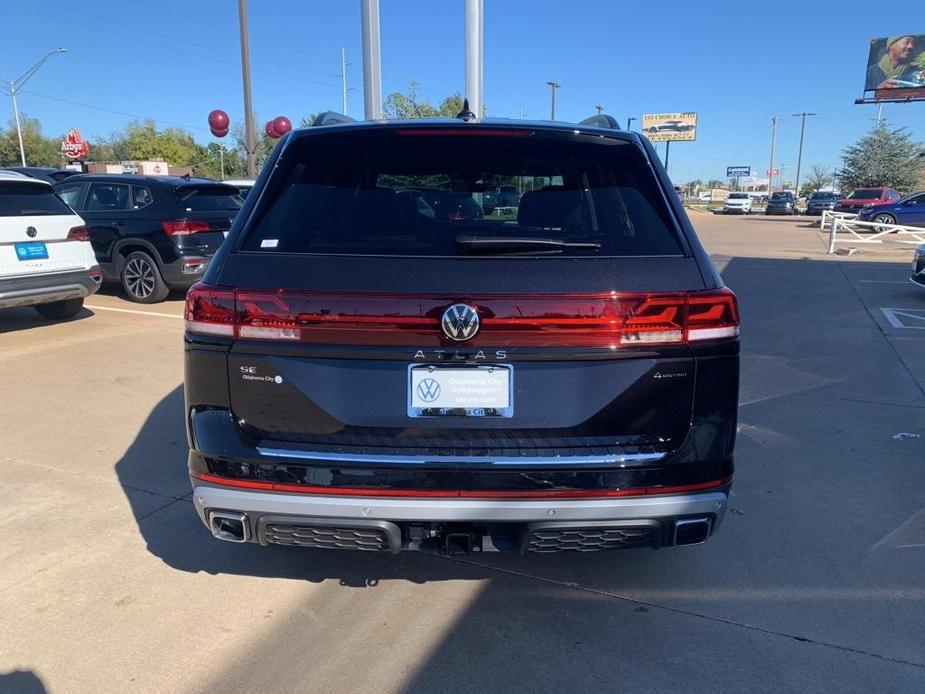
(736, 65)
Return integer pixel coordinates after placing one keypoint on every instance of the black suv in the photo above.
(362, 373)
(152, 233)
(781, 202)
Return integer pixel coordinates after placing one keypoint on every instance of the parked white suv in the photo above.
(738, 203)
(46, 260)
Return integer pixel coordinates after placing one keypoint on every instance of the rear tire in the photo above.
(60, 310)
(142, 280)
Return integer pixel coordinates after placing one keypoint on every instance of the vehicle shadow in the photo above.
(153, 475)
(21, 682)
(27, 318)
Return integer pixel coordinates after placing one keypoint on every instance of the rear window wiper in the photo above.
(502, 244)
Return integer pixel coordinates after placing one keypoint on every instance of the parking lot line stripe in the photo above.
(129, 310)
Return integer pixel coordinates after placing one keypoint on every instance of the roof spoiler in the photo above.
(331, 118)
(602, 120)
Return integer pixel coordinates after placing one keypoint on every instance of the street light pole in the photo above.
(800, 155)
(629, 122)
(249, 134)
(771, 165)
(17, 84)
(553, 86)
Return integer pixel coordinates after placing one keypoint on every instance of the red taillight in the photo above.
(610, 321)
(210, 310)
(184, 227)
(78, 234)
(712, 315)
(466, 132)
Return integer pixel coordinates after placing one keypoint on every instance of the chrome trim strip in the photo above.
(373, 459)
(256, 504)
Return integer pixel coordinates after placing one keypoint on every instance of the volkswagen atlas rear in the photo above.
(363, 372)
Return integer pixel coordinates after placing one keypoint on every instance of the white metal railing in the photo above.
(876, 231)
(829, 215)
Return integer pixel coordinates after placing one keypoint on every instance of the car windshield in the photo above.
(738, 196)
(30, 199)
(781, 196)
(865, 195)
(822, 196)
(423, 192)
(208, 198)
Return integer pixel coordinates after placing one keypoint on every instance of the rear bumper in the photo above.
(515, 524)
(30, 290)
(185, 271)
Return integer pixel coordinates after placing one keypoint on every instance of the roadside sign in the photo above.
(773, 172)
(738, 171)
(667, 127)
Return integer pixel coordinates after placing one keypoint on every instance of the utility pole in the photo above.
(774, 120)
(249, 134)
(372, 66)
(343, 75)
(600, 109)
(14, 86)
(800, 154)
(554, 86)
(629, 122)
(667, 142)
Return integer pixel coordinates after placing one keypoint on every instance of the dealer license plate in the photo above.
(460, 391)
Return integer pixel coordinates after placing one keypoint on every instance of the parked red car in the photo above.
(862, 197)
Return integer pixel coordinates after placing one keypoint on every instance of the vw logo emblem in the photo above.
(31, 232)
(428, 390)
(460, 322)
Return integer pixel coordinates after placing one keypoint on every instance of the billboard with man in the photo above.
(896, 67)
(664, 127)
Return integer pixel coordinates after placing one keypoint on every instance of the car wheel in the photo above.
(142, 280)
(60, 310)
(884, 219)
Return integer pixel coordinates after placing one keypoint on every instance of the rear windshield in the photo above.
(208, 198)
(30, 199)
(864, 195)
(416, 192)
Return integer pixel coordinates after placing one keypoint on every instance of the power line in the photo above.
(113, 111)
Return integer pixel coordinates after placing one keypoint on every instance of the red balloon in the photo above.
(218, 120)
(282, 125)
(270, 130)
(219, 133)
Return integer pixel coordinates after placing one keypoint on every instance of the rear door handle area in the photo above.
(119, 223)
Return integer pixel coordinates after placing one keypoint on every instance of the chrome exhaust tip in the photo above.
(691, 531)
(229, 526)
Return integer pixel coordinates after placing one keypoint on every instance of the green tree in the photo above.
(411, 104)
(40, 150)
(883, 157)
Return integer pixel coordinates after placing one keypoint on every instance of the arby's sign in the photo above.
(73, 146)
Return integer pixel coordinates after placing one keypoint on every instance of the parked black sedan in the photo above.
(152, 233)
(43, 173)
(782, 202)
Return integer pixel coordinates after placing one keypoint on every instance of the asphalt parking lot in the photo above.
(109, 582)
